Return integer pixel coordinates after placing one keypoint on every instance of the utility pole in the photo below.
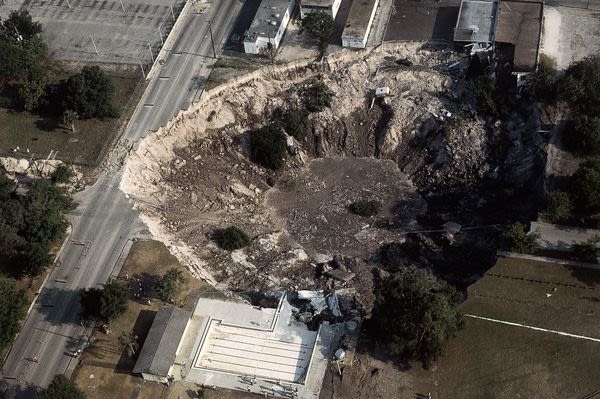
(142, 68)
(151, 55)
(162, 43)
(172, 12)
(94, 43)
(122, 6)
(68, 4)
(212, 42)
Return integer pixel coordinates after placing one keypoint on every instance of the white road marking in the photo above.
(534, 328)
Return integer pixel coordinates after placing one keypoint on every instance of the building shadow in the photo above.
(445, 20)
(140, 328)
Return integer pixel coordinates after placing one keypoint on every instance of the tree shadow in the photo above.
(59, 306)
(47, 124)
(589, 277)
(140, 328)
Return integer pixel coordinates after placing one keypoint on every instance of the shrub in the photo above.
(517, 239)
(545, 84)
(169, 284)
(560, 206)
(269, 147)
(580, 85)
(583, 135)
(317, 97)
(415, 315)
(585, 186)
(232, 238)
(61, 388)
(296, 123)
(365, 208)
(62, 174)
(484, 93)
(589, 250)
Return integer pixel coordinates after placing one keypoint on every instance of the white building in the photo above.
(330, 7)
(268, 26)
(359, 22)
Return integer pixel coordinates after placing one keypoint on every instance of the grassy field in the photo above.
(227, 68)
(40, 134)
(105, 370)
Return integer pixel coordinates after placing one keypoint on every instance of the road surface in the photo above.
(104, 219)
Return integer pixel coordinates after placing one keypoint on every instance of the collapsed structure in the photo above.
(237, 346)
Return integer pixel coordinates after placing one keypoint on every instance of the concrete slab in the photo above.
(561, 238)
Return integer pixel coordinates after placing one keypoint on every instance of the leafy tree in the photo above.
(233, 238)
(589, 250)
(129, 341)
(269, 146)
(319, 25)
(21, 26)
(585, 186)
(317, 97)
(12, 310)
(169, 284)
(62, 174)
(37, 258)
(415, 315)
(545, 84)
(583, 134)
(61, 388)
(69, 118)
(560, 206)
(105, 304)
(296, 123)
(365, 208)
(484, 93)
(517, 240)
(34, 89)
(89, 93)
(580, 85)
(18, 58)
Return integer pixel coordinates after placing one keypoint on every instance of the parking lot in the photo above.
(422, 20)
(121, 29)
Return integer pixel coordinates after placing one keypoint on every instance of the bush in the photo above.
(365, 208)
(61, 388)
(269, 146)
(484, 93)
(583, 135)
(317, 97)
(88, 93)
(589, 250)
(585, 186)
(62, 174)
(415, 315)
(517, 240)
(545, 84)
(580, 86)
(320, 26)
(560, 206)
(296, 123)
(232, 238)
(169, 284)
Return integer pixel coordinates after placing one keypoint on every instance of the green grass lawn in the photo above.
(40, 134)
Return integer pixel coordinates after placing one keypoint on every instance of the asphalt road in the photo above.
(104, 219)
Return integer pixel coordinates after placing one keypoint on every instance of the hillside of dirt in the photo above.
(194, 176)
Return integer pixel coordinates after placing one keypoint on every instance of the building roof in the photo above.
(319, 3)
(476, 21)
(160, 347)
(520, 24)
(358, 18)
(267, 20)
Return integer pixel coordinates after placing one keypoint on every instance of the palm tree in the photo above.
(129, 341)
(69, 118)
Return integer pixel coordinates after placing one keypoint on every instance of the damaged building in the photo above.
(282, 351)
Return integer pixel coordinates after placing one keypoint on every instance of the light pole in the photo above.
(212, 42)
(150, 49)
(122, 6)
(162, 43)
(94, 43)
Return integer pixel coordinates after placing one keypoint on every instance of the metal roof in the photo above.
(160, 347)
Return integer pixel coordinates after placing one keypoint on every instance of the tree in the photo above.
(583, 134)
(365, 208)
(580, 86)
(484, 94)
(415, 315)
(62, 174)
(33, 91)
(545, 83)
(129, 341)
(233, 238)
(89, 93)
(317, 97)
(517, 240)
(560, 206)
(588, 250)
(19, 57)
(12, 310)
(104, 304)
(37, 258)
(20, 25)
(320, 26)
(69, 118)
(169, 284)
(269, 146)
(61, 388)
(296, 123)
(585, 186)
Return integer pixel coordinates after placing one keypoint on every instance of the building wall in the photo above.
(261, 43)
(330, 10)
(361, 42)
(154, 377)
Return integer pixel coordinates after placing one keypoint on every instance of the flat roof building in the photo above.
(268, 26)
(476, 21)
(358, 23)
(330, 7)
